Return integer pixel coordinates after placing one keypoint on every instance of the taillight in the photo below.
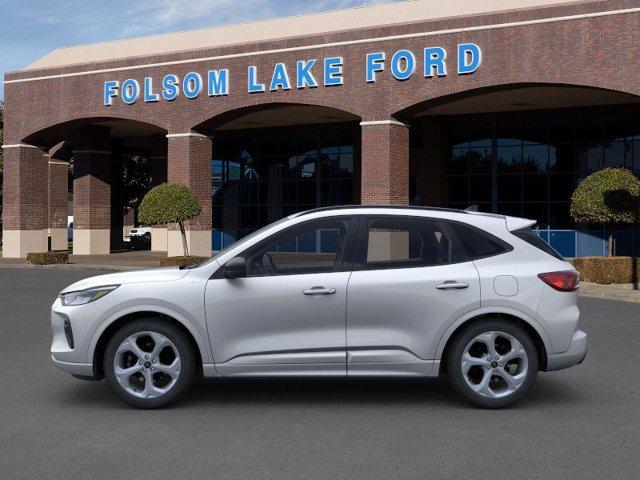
(566, 281)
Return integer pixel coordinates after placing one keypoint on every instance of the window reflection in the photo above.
(539, 159)
(261, 176)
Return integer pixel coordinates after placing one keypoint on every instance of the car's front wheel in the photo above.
(492, 363)
(149, 363)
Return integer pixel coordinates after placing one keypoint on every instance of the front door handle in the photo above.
(319, 291)
(452, 285)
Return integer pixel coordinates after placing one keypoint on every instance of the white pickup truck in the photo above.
(138, 236)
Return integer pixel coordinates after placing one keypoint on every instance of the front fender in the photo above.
(198, 332)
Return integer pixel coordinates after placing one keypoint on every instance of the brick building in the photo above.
(437, 103)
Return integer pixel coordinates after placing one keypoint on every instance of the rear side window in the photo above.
(476, 243)
(405, 242)
(532, 238)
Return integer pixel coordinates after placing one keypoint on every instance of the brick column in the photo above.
(58, 190)
(385, 163)
(158, 175)
(92, 192)
(189, 164)
(24, 201)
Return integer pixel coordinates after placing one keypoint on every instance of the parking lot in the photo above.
(576, 424)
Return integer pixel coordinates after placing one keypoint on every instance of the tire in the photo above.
(498, 382)
(149, 348)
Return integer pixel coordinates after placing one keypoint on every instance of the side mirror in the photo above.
(235, 268)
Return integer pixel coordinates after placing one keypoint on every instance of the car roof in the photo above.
(413, 208)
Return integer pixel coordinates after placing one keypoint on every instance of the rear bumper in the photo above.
(573, 356)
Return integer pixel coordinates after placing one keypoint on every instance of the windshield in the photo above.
(239, 242)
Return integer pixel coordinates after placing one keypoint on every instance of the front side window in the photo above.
(314, 247)
(406, 242)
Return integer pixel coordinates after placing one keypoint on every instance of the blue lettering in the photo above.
(403, 64)
(130, 91)
(434, 57)
(280, 78)
(469, 58)
(149, 96)
(218, 81)
(192, 85)
(254, 86)
(304, 77)
(170, 87)
(110, 92)
(375, 63)
(333, 71)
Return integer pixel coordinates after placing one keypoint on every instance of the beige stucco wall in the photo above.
(17, 243)
(91, 242)
(199, 243)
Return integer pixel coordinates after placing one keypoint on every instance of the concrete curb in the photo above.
(622, 293)
(74, 266)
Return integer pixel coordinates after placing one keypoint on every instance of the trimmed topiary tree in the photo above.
(608, 196)
(170, 203)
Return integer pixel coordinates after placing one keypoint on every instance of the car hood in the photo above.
(168, 274)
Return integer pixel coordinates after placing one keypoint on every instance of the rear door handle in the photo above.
(452, 285)
(319, 291)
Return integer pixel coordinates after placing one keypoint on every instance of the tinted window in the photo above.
(314, 247)
(531, 238)
(477, 243)
(405, 242)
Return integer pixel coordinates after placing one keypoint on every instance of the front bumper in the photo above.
(573, 356)
(75, 369)
(72, 329)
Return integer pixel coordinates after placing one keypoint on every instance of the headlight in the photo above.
(81, 297)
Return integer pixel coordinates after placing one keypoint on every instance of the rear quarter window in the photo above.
(475, 243)
(532, 238)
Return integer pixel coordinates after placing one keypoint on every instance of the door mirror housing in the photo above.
(235, 268)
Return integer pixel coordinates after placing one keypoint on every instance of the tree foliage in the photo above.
(136, 180)
(610, 195)
(170, 203)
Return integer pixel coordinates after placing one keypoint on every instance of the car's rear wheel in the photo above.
(492, 363)
(149, 363)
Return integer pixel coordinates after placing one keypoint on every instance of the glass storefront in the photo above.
(260, 176)
(529, 164)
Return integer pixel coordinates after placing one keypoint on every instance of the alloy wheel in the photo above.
(494, 364)
(147, 364)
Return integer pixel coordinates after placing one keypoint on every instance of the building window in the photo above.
(260, 176)
(528, 164)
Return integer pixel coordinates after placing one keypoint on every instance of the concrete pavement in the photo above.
(581, 423)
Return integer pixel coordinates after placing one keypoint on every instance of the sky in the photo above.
(30, 29)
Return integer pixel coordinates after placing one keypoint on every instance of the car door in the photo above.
(409, 282)
(288, 315)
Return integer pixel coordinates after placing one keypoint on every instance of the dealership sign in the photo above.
(309, 73)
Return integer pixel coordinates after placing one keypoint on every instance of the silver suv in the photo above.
(335, 292)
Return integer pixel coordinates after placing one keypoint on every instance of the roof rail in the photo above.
(468, 211)
(399, 207)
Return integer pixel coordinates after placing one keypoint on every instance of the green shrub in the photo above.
(47, 258)
(609, 195)
(606, 270)
(170, 203)
(181, 261)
